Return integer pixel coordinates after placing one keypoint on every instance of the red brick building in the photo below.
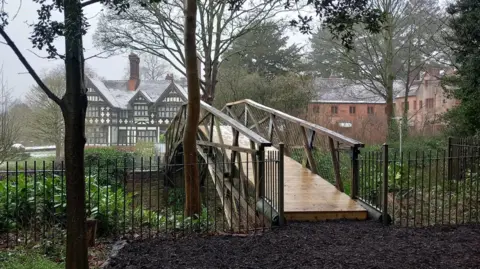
(349, 108)
(426, 102)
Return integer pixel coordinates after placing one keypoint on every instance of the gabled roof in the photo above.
(340, 90)
(116, 93)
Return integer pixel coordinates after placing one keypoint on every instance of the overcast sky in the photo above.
(19, 30)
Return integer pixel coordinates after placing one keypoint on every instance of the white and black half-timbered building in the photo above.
(124, 112)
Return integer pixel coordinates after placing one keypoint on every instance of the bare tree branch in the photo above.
(32, 72)
(90, 2)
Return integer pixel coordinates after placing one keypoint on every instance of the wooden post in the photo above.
(336, 165)
(385, 186)
(281, 186)
(355, 172)
(308, 151)
(270, 127)
(91, 232)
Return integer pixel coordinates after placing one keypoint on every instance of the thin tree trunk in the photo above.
(73, 109)
(192, 179)
(389, 76)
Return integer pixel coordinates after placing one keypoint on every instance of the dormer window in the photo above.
(93, 98)
(140, 110)
(167, 111)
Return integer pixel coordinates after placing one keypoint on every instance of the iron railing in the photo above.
(418, 188)
(130, 201)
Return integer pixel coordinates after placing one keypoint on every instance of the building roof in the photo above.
(341, 90)
(117, 94)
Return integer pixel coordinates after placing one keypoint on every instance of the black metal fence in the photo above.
(130, 201)
(420, 188)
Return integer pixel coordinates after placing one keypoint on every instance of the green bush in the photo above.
(420, 143)
(144, 149)
(27, 201)
(27, 260)
(161, 138)
(43, 201)
(107, 164)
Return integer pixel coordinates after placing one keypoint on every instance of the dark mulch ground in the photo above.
(314, 245)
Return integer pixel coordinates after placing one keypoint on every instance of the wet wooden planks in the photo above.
(307, 195)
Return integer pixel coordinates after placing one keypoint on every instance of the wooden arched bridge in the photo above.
(268, 166)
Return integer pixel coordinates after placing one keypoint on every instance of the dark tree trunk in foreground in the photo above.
(74, 105)
(192, 179)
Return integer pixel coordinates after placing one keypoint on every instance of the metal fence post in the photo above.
(355, 173)
(281, 186)
(261, 172)
(385, 186)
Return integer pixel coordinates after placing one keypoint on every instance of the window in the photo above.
(414, 105)
(172, 100)
(123, 114)
(123, 137)
(352, 110)
(97, 135)
(334, 109)
(146, 135)
(168, 111)
(140, 110)
(93, 98)
(429, 102)
(370, 110)
(92, 112)
(345, 124)
(316, 109)
(114, 116)
(420, 104)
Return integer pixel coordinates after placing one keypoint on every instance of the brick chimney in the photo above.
(169, 77)
(134, 80)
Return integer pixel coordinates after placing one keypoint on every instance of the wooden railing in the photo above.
(304, 141)
(232, 149)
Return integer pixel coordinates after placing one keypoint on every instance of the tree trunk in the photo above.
(74, 105)
(389, 75)
(208, 80)
(192, 179)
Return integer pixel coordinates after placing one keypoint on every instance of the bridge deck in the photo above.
(307, 195)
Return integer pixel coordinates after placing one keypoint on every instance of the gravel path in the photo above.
(313, 245)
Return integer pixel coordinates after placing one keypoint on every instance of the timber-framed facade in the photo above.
(124, 112)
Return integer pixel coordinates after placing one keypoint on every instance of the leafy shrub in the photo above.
(106, 153)
(161, 138)
(144, 149)
(27, 260)
(42, 201)
(421, 143)
(107, 164)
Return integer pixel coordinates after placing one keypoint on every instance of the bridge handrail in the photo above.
(315, 127)
(256, 138)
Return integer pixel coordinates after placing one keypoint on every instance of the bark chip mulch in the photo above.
(313, 245)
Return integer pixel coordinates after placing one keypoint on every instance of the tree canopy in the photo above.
(465, 84)
(265, 50)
